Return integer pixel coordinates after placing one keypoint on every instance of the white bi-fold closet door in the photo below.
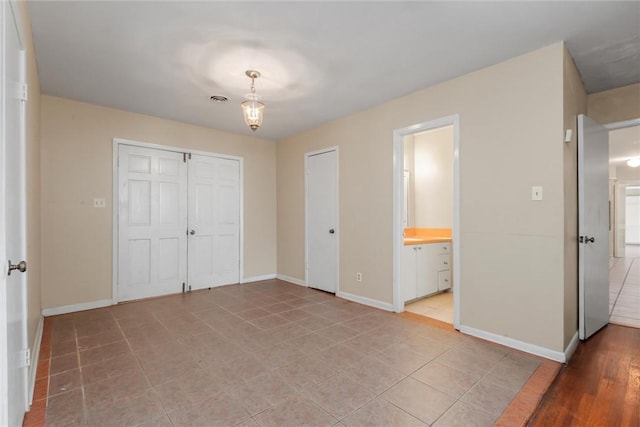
(178, 222)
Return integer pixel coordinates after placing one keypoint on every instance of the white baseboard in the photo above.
(35, 357)
(547, 353)
(573, 344)
(291, 280)
(76, 307)
(258, 278)
(366, 301)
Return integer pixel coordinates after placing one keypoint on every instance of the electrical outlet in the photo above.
(99, 203)
(359, 277)
(536, 192)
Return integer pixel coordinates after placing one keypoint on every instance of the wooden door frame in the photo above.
(116, 200)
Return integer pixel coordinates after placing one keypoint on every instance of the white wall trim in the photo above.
(258, 278)
(35, 357)
(398, 195)
(547, 353)
(571, 348)
(76, 307)
(366, 301)
(291, 280)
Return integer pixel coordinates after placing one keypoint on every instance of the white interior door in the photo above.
(13, 332)
(214, 221)
(322, 220)
(632, 213)
(619, 220)
(593, 226)
(152, 222)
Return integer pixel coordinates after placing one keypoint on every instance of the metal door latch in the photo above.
(21, 267)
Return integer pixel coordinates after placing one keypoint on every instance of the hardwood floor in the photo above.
(600, 386)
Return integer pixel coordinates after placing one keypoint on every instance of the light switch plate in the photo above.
(99, 203)
(536, 192)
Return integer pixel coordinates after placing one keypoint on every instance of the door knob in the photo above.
(332, 231)
(192, 232)
(21, 267)
(589, 239)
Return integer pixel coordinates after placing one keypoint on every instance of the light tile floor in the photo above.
(624, 288)
(439, 307)
(271, 354)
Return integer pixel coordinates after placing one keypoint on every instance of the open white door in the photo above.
(214, 221)
(593, 226)
(322, 220)
(13, 333)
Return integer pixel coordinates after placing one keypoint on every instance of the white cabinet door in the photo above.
(427, 277)
(152, 222)
(409, 290)
(422, 270)
(444, 280)
(214, 222)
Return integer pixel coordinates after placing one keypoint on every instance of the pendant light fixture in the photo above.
(252, 108)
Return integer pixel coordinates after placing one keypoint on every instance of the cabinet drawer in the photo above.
(444, 280)
(444, 262)
(444, 248)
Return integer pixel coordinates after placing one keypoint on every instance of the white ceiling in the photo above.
(319, 60)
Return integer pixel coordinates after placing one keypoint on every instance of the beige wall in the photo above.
(511, 122)
(615, 105)
(32, 180)
(77, 166)
(575, 102)
(434, 178)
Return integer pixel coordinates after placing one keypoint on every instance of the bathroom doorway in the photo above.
(426, 220)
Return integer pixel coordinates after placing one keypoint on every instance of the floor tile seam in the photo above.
(475, 406)
(455, 400)
(193, 404)
(494, 384)
(445, 392)
(387, 387)
(137, 360)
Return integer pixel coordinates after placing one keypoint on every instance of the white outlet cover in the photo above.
(536, 192)
(99, 203)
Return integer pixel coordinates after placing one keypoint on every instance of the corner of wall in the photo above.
(574, 103)
(615, 105)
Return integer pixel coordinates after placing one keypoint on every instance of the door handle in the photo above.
(586, 239)
(192, 232)
(21, 267)
(332, 231)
